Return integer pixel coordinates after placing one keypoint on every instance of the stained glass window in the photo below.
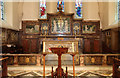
(42, 11)
(78, 9)
(60, 3)
(2, 9)
(118, 10)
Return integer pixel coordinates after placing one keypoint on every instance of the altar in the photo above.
(72, 46)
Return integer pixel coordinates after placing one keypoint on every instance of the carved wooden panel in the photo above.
(89, 27)
(25, 44)
(10, 60)
(29, 60)
(60, 25)
(93, 60)
(9, 36)
(87, 45)
(34, 45)
(96, 46)
(76, 28)
(44, 28)
(110, 60)
(30, 27)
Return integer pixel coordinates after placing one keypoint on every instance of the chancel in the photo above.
(60, 38)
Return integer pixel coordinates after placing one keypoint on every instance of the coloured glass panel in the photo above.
(43, 9)
(78, 9)
(60, 3)
(118, 10)
(2, 10)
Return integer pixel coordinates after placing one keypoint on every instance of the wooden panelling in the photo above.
(25, 44)
(27, 60)
(33, 45)
(92, 29)
(87, 45)
(9, 36)
(84, 59)
(96, 46)
(110, 60)
(93, 60)
(10, 60)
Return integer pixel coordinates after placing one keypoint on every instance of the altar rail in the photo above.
(83, 59)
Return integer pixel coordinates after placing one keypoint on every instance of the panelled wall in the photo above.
(111, 40)
(9, 40)
(61, 26)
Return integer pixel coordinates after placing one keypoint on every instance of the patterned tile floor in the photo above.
(80, 71)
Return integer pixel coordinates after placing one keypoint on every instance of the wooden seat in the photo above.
(116, 68)
(3, 63)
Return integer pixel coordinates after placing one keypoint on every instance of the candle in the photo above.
(43, 46)
(73, 46)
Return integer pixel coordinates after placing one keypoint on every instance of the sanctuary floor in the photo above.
(86, 71)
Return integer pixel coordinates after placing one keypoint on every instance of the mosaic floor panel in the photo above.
(85, 74)
(80, 71)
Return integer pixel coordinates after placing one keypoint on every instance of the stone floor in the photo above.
(86, 71)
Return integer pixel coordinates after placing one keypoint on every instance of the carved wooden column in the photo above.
(44, 65)
(15, 60)
(38, 61)
(59, 65)
(104, 60)
(82, 61)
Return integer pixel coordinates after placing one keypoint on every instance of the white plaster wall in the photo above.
(11, 20)
(113, 22)
(108, 19)
(104, 18)
(30, 11)
(69, 7)
(7, 22)
(90, 11)
(51, 7)
(16, 18)
(15, 12)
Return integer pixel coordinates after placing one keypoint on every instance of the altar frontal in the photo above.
(71, 45)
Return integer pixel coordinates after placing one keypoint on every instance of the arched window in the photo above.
(78, 9)
(42, 9)
(2, 9)
(60, 3)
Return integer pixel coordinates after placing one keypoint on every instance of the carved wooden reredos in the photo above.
(65, 24)
(60, 25)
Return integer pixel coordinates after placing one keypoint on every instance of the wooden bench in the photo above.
(116, 68)
(3, 68)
